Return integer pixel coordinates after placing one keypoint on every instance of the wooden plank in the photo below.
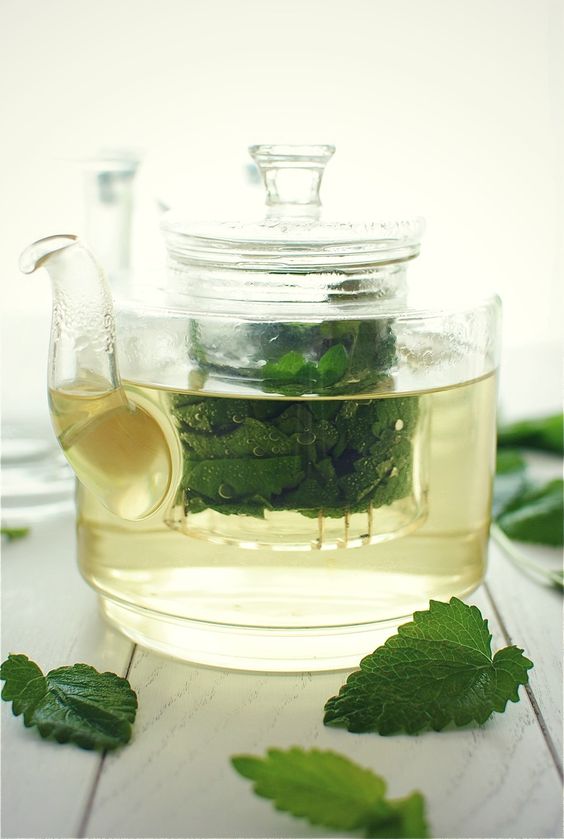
(530, 385)
(50, 614)
(175, 779)
(532, 616)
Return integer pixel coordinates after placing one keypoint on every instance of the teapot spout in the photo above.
(116, 448)
(82, 350)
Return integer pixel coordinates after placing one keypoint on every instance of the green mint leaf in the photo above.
(25, 685)
(336, 456)
(288, 368)
(332, 365)
(437, 670)
(405, 819)
(251, 437)
(545, 433)
(13, 533)
(74, 704)
(509, 461)
(238, 477)
(558, 580)
(196, 414)
(510, 479)
(328, 789)
(536, 514)
(292, 368)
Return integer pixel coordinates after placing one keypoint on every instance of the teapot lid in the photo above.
(291, 237)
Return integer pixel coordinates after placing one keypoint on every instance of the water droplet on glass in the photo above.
(306, 438)
(273, 436)
(399, 425)
(198, 417)
(226, 491)
(237, 418)
(258, 452)
(275, 450)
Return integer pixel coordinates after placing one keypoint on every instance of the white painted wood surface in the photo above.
(174, 779)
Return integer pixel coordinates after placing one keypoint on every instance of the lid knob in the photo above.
(292, 177)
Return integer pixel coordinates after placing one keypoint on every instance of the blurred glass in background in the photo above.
(36, 481)
(448, 110)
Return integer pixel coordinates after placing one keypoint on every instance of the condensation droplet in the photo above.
(258, 452)
(226, 491)
(306, 438)
(273, 436)
(237, 418)
(399, 425)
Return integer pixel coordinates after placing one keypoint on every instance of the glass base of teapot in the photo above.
(249, 648)
(237, 646)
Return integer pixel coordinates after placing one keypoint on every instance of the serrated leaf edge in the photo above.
(362, 823)
(47, 730)
(344, 722)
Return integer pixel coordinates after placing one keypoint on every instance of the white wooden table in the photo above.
(175, 780)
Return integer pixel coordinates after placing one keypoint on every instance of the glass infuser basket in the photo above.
(292, 458)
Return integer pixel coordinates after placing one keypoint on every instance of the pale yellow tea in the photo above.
(212, 555)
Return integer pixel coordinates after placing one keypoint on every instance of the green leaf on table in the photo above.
(536, 570)
(13, 533)
(544, 433)
(536, 514)
(510, 479)
(557, 580)
(74, 704)
(328, 789)
(509, 461)
(437, 670)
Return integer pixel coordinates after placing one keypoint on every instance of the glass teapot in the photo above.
(279, 456)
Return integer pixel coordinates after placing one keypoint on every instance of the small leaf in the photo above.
(405, 820)
(288, 368)
(25, 685)
(237, 477)
(558, 580)
(510, 479)
(329, 789)
(545, 433)
(244, 441)
(13, 533)
(72, 704)
(437, 670)
(509, 461)
(332, 365)
(536, 515)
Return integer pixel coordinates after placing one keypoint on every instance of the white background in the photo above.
(451, 109)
